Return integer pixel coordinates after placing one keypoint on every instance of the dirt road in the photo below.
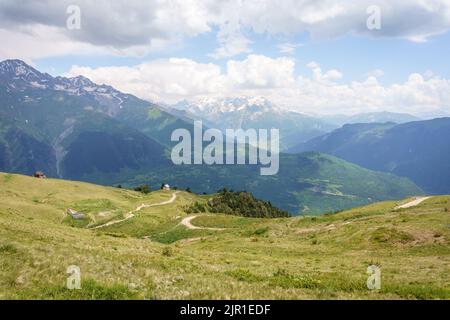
(187, 223)
(413, 203)
(131, 214)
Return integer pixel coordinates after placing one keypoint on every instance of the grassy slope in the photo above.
(152, 256)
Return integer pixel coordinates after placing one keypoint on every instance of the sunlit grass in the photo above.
(153, 256)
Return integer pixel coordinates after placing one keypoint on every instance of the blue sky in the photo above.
(355, 55)
(166, 51)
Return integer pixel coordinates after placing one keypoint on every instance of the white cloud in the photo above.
(41, 42)
(413, 19)
(120, 27)
(260, 72)
(319, 76)
(232, 44)
(170, 80)
(160, 80)
(135, 27)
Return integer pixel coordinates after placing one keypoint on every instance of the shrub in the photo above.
(286, 280)
(143, 188)
(115, 234)
(391, 235)
(256, 232)
(243, 275)
(167, 252)
(8, 248)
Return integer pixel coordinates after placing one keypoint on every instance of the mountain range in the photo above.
(418, 150)
(75, 129)
(339, 120)
(256, 113)
(260, 113)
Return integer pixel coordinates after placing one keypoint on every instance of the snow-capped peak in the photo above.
(80, 81)
(19, 70)
(227, 105)
(19, 76)
(16, 67)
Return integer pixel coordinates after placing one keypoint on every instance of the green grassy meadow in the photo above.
(154, 256)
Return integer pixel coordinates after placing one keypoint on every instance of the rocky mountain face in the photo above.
(46, 119)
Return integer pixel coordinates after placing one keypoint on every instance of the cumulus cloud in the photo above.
(259, 71)
(127, 27)
(40, 44)
(135, 27)
(321, 91)
(160, 80)
(415, 19)
(319, 76)
(118, 23)
(232, 44)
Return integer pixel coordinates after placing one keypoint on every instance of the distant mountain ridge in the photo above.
(260, 113)
(18, 77)
(419, 150)
(371, 117)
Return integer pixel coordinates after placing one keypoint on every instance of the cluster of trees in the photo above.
(144, 188)
(237, 203)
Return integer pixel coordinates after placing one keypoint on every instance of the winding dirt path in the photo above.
(187, 223)
(131, 214)
(410, 204)
(413, 203)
